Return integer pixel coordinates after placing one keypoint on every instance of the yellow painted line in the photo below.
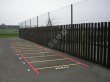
(35, 53)
(31, 50)
(22, 50)
(50, 60)
(58, 66)
(26, 47)
(18, 42)
(26, 44)
(41, 56)
(21, 43)
(28, 53)
(31, 44)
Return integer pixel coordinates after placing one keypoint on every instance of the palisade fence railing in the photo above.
(65, 31)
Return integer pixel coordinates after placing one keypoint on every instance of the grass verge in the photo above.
(8, 35)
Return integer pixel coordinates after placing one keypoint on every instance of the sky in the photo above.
(14, 11)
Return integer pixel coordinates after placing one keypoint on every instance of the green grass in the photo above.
(6, 33)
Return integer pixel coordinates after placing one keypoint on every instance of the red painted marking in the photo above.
(32, 67)
(75, 60)
(85, 65)
(69, 58)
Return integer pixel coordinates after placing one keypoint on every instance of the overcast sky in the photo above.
(15, 11)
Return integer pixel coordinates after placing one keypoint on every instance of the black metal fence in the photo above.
(89, 41)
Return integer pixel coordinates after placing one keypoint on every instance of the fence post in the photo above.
(71, 14)
(108, 45)
(30, 23)
(25, 24)
(37, 21)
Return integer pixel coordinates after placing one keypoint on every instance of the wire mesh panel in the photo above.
(42, 20)
(34, 22)
(28, 25)
(61, 16)
(22, 24)
(19, 25)
(91, 11)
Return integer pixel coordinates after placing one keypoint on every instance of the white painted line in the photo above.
(20, 58)
(58, 67)
(28, 69)
(17, 54)
(23, 62)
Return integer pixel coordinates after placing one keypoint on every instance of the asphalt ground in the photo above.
(25, 61)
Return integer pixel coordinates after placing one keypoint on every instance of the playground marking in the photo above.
(35, 53)
(20, 58)
(71, 59)
(23, 62)
(26, 47)
(31, 46)
(18, 42)
(30, 50)
(49, 60)
(60, 66)
(31, 66)
(29, 70)
(40, 56)
(24, 50)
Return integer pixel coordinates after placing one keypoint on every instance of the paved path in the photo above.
(24, 61)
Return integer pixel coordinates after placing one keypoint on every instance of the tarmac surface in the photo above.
(25, 61)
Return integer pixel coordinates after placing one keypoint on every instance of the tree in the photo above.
(3, 25)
